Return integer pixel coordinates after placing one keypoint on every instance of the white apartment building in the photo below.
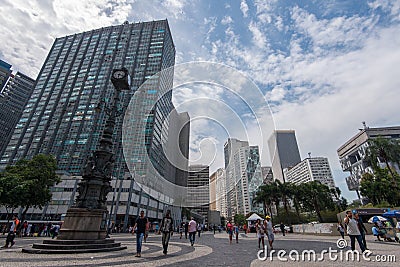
(311, 169)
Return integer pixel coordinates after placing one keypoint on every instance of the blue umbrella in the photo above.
(392, 214)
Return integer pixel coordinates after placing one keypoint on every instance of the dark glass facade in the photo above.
(13, 99)
(60, 117)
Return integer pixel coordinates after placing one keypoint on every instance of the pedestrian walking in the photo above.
(340, 228)
(352, 231)
(260, 229)
(270, 231)
(282, 227)
(140, 226)
(186, 229)
(181, 228)
(229, 230)
(198, 229)
(236, 231)
(55, 231)
(192, 227)
(12, 232)
(361, 227)
(167, 230)
(146, 233)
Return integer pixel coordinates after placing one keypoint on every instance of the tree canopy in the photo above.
(27, 183)
(310, 197)
(383, 184)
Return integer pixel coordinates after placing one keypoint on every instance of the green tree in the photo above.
(34, 178)
(384, 150)
(10, 190)
(317, 197)
(263, 195)
(240, 219)
(378, 187)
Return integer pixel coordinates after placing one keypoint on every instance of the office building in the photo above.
(230, 147)
(5, 73)
(199, 189)
(311, 169)
(267, 175)
(352, 154)
(60, 117)
(13, 98)
(284, 152)
(243, 176)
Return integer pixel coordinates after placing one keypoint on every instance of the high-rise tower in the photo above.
(284, 152)
(13, 99)
(60, 117)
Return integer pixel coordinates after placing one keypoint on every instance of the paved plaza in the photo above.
(209, 250)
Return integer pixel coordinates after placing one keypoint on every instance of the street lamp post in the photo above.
(87, 218)
(85, 222)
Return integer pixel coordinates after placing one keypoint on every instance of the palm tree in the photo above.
(263, 196)
(285, 193)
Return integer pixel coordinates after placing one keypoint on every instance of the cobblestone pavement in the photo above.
(209, 250)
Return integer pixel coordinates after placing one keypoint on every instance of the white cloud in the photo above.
(276, 94)
(345, 31)
(226, 20)
(244, 7)
(258, 36)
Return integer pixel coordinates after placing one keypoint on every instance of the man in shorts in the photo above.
(270, 231)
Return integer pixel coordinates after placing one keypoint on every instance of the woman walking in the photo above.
(229, 230)
(260, 228)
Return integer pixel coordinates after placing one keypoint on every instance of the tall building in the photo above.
(243, 176)
(284, 152)
(177, 149)
(266, 173)
(213, 191)
(60, 117)
(199, 180)
(5, 73)
(352, 154)
(218, 191)
(13, 99)
(221, 196)
(311, 169)
(230, 147)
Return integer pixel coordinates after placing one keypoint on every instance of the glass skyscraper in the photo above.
(60, 117)
(13, 98)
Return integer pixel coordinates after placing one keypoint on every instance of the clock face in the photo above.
(119, 74)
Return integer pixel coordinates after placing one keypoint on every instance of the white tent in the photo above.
(254, 217)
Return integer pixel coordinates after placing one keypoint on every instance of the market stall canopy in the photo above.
(377, 218)
(392, 214)
(254, 217)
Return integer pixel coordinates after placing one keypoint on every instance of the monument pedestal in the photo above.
(83, 231)
(84, 224)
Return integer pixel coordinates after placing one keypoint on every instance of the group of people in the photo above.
(166, 229)
(355, 229)
(265, 228)
(184, 227)
(142, 227)
(232, 229)
(26, 229)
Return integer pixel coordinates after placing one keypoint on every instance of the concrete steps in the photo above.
(74, 246)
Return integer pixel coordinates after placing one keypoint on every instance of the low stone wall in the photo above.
(317, 228)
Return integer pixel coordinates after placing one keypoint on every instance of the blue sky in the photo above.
(323, 66)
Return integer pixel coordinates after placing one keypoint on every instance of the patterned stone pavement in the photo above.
(209, 250)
